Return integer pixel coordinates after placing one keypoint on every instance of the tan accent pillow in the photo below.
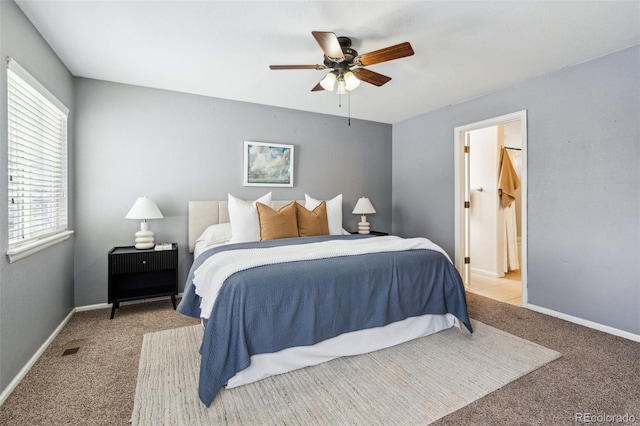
(313, 222)
(277, 224)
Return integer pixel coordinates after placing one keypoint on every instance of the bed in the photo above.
(269, 307)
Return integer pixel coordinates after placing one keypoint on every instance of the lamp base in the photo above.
(144, 237)
(144, 246)
(363, 228)
(363, 225)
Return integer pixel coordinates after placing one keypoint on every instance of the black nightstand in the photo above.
(376, 233)
(140, 274)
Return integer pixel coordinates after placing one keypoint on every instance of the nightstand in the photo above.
(376, 233)
(140, 274)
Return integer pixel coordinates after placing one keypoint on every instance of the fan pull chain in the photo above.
(348, 106)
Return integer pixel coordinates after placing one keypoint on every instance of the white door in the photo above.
(464, 197)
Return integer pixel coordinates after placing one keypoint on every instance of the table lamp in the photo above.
(144, 208)
(363, 207)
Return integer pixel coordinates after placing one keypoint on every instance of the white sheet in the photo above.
(354, 343)
(202, 246)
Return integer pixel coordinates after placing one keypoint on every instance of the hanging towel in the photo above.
(508, 181)
(512, 262)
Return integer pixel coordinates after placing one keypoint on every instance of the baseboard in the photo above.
(130, 302)
(486, 273)
(23, 372)
(93, 307)
(586, 323)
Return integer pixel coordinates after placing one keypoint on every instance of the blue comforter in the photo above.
(274, 307)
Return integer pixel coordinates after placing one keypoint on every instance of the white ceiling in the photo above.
(224, 48)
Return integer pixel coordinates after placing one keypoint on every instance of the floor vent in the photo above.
(73, 347)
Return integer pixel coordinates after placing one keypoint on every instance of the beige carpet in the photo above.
(417, 382)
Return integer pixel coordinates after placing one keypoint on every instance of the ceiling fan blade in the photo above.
(330, 45)
(370, 77)
(297, 67)
(317, 88)
(387, 54)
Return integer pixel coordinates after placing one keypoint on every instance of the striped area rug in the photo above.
(416, 382)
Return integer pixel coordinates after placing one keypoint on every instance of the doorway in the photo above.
(490, 238)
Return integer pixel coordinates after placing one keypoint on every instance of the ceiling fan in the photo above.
(347, 65)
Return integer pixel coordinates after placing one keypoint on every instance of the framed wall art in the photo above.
(268, 164)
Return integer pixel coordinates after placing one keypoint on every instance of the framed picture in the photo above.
(268, 164)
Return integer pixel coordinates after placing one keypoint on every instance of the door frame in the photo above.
(459, 171)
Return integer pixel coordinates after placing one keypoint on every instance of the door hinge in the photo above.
(467, 148)
(467, 204)
(467, 260)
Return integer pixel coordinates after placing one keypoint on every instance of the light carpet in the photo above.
(416, 382)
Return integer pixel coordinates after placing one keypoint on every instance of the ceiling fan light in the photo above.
(341, 89)
(351, 81)
(329, 81)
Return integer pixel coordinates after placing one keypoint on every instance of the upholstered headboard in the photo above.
(203, 214)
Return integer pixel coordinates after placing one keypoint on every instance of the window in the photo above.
(37, 165)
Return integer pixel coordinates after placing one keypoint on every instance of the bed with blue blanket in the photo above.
(284, 304)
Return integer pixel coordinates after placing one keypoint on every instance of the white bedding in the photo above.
(200, 247)
(347, 344)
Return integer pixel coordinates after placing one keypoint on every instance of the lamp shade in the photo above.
(144, 208)
(341, 87)
(329, 81)
(363, 206)
(351, 82)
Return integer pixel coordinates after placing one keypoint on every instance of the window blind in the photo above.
(37, 160)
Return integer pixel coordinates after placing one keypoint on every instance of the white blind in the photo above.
(37, 159)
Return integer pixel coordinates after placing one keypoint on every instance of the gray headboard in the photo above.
(203, 214)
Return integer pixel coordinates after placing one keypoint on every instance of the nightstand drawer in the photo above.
(143, 262)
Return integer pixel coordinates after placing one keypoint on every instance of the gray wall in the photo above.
(36, 293)
(176, 147)
(583, 184)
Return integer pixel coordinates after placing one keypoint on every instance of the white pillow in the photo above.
(244, 218)
(216, 234)
(334, 212)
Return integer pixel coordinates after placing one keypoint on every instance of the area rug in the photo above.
(416, 382)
